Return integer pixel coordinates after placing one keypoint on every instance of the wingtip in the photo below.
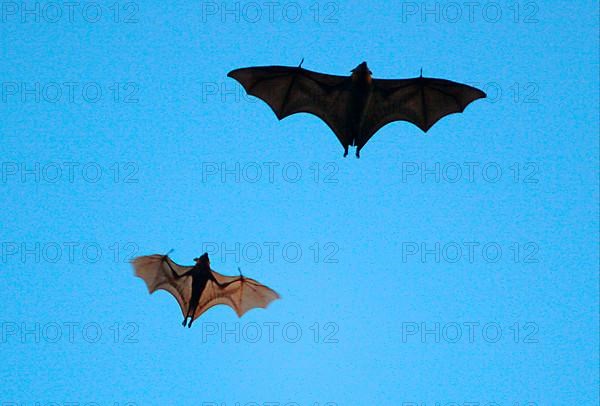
(481, 93)
(136, 259)
(233, 72)
(241, 313)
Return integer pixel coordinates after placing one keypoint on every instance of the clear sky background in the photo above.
(458, 266)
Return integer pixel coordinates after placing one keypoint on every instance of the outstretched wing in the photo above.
(239, 293)
(289, 90)
(157, 271)
(421, 101)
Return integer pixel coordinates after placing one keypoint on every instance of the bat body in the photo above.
(198, 288)
(355, 107)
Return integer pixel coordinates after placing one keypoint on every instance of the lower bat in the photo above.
(198, 288)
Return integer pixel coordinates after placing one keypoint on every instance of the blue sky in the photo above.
(458, 266)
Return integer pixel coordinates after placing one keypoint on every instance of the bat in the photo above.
(355, 107)
(198, 288)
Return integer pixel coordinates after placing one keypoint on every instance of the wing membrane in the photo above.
(157, 271)
(240, 293)
(421, 101)
(296, 90)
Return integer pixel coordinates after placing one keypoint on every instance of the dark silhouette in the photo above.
(198, 288)
(355, 107)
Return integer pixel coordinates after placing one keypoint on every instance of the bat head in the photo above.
(202, 259)
(362, 69)
(361, 74)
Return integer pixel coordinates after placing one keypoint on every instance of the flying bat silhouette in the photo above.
(355, 107)
(198, 288)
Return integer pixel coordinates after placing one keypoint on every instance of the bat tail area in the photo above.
(358, 145)
(347, 147)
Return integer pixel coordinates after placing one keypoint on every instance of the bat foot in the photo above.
(357, 154)
(184, 322)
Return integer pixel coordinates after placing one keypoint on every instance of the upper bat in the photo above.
(355, 107)
(198, 288)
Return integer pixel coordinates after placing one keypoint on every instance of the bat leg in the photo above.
(358, 152)
(345, 151)
(191, 313)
